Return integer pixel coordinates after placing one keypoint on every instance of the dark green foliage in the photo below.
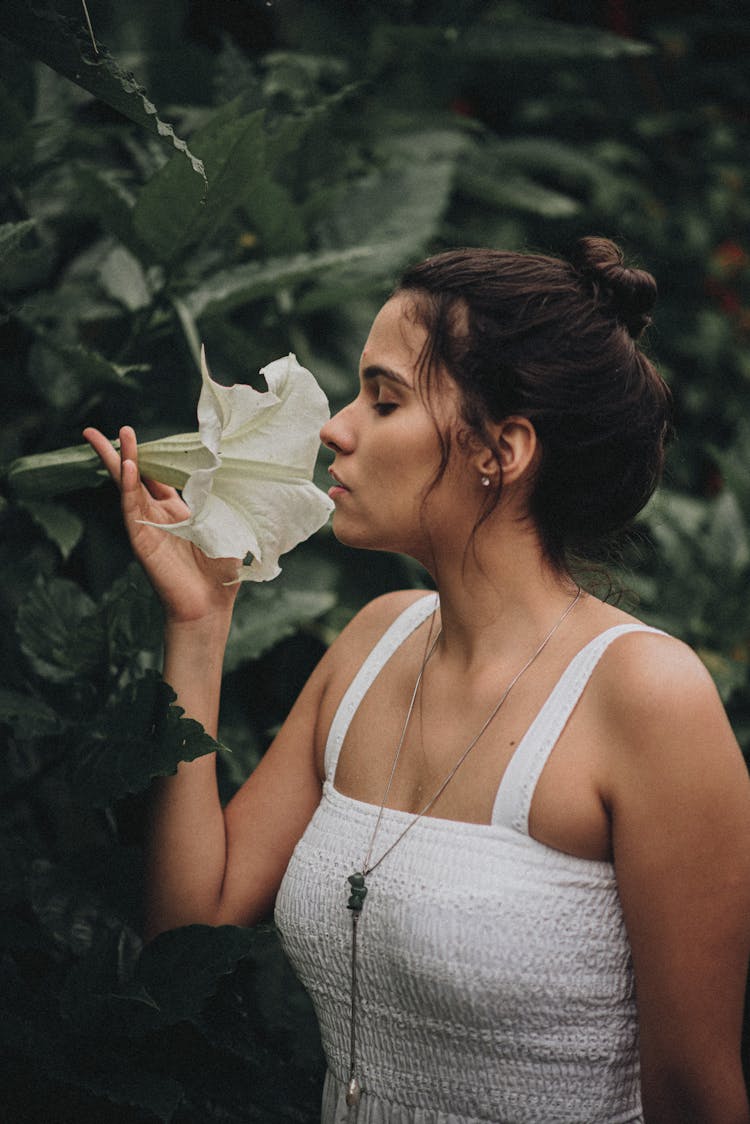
(329, 145)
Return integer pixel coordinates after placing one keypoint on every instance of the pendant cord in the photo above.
(353, 1026)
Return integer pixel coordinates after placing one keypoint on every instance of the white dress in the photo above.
(495, 978)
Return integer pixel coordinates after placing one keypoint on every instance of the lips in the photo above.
(338, 484)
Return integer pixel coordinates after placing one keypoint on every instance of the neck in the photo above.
(497, 595)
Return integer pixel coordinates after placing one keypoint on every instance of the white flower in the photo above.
(247, 474)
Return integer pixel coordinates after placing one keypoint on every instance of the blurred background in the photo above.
(254, 174)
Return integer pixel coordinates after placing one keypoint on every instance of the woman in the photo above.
(506, 903)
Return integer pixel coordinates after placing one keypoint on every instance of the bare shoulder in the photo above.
(347, 654)
(652, 677)
(664, 716)
(365, 629)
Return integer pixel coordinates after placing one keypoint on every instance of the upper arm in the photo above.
(680, 808)
(270, 812)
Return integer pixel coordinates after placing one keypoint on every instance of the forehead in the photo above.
(396, 337)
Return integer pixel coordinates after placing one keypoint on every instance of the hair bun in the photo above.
(629, 293)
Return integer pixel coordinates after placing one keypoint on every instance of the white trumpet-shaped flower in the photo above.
(247, 474)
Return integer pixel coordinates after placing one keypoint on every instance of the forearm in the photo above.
(186, 846)
(711, 1094)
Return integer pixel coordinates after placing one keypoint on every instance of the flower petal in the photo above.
(285, 429)
(257, 496)
(222, 409)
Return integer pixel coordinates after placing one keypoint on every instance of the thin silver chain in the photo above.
(366, 867)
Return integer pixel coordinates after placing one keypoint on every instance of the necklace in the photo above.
(357, 882)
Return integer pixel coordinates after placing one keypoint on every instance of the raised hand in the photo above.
(190, 585)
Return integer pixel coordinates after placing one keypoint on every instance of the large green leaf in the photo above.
(513, 36)
(60, 632)
(12, 235)
(27, 715)
(396, 211)
(173, 214)
(100, 194)
(516, 192)
(230, 288)
(90, 368)
(542, 159)
(49, 474)
(133, 617)
(60, 525)
(267, 615)
(137, 736)
(173, 207)
(403, 201)
(40, 31)
(734, 463)
(124, 279)
(83, 899)
(183, 967)
(169, 982)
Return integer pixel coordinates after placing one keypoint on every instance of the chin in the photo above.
(360, 537)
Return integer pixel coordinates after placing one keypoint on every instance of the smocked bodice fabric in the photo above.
(495, 981)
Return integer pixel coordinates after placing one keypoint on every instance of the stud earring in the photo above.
(485, 481)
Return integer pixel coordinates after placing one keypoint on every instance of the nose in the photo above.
(338, 433)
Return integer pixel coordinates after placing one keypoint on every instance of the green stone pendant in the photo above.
(358, 891)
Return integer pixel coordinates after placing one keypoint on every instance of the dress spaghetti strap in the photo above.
(519, 781)
(404, 624)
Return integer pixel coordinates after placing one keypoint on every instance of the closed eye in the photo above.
(384, 408)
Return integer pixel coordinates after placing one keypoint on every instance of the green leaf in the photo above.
(169, 982)
(99, 193)
(12, 235)
(517, 192)
(124, 280)
(233, 287)
(728, 534)
(51, 474)
(734, 463)
(182, 968)
(137, 736)
(16, 139)
(267, 615)
(533, 158)
(396, 212)
(64, 46)
(27, 715)
(404, 202)
(84, 898)
(60, 525)
(517, 37)
(90, 367)
(172, 213)
(125, 1082)
(132, 615)
(60, 632)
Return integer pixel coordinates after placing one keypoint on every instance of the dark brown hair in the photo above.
(555, 342)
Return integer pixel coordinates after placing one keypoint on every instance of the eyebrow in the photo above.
(376, 372)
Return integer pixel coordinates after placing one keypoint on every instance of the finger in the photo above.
(158, 490)
(105, 450)
(133, 507)
(129, 450)
(128, 444)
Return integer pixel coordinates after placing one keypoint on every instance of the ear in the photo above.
(516, 449)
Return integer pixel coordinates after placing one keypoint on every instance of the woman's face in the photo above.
(388, 450)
